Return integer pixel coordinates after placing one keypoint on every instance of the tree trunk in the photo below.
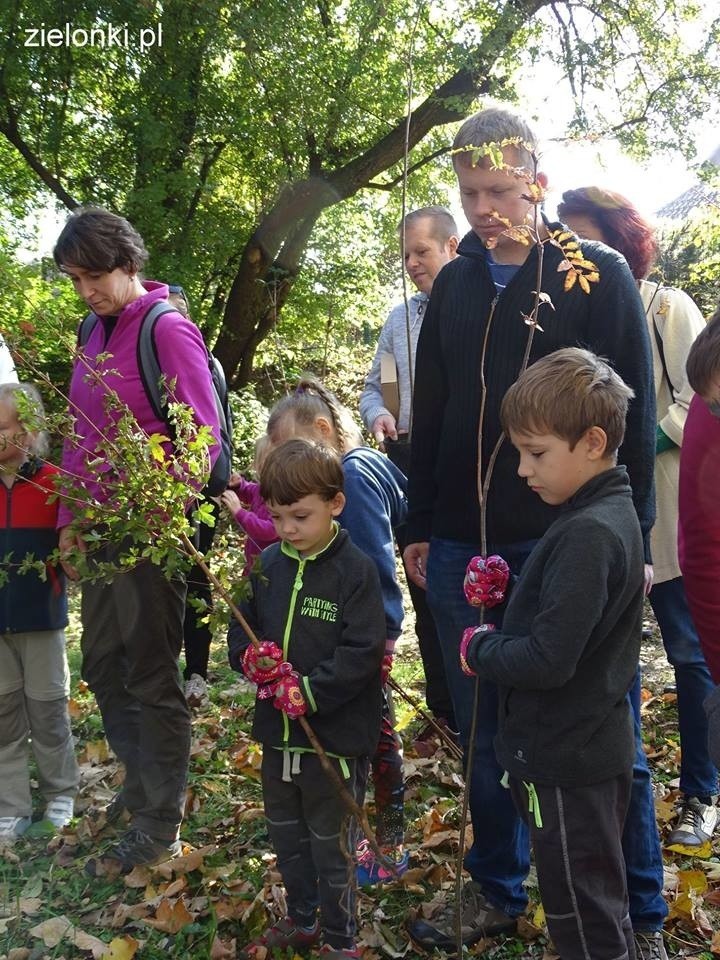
(272, 256)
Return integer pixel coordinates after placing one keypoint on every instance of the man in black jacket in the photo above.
(471, 349)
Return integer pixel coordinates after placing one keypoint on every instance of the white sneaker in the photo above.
(696, 823)
(13, 827)
(60, 811)
(196, 690)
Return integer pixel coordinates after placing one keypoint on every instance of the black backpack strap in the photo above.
(86, 327)
(148, 363)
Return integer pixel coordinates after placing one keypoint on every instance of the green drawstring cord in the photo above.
(534, 804)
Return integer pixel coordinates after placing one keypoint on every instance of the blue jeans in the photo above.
(698, 775)
(640, 840)
(499, 857)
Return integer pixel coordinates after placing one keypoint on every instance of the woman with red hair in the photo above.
(673, 322)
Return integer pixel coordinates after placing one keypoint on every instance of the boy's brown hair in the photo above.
(299, 468)
(703, 362)
(565, 394)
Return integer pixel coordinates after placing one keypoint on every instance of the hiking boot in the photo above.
(60, 811)
(370, 872)
(650, 946)
(115, 810)
(283, 934)
(479, 919)
(196, 691)
(339, 953)
(696, 823)
(13, 827)
(134, 849)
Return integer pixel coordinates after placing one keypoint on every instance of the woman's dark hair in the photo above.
(703, 362)
(95, 239)
(622, 225)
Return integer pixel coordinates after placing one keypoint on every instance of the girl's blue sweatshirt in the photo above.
(376, 505)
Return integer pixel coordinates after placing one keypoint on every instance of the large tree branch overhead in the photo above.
(227, 144)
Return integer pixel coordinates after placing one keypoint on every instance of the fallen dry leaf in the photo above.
(56, 929)
(170, 917)
(121, 948)
(222, 950)
(138, 877)
(184, 864)
(52, 931)
(30, 905)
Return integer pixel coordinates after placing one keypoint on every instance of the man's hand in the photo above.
(649, 577)
(70, 540)
(415, 558)
(383, 427)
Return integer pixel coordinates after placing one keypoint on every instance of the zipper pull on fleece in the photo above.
(297, 585)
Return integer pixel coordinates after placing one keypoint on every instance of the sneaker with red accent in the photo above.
(339, 953)
(370, 872)
(283, 934)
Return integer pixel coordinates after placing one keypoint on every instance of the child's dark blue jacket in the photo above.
(27, 526)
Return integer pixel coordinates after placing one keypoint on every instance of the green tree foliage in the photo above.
(260, 136)
(690, 257)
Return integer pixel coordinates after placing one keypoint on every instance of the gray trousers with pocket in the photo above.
(315, 846)
(131, 641)
(580, 866)
(34, 682)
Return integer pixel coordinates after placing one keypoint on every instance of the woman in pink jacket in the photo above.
(133, 624)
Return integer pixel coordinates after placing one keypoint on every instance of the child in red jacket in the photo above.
(34, 677)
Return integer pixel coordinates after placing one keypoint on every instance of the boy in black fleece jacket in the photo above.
(568, 649)
(316, 602)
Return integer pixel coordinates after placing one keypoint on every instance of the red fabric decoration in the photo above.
(264, 663)
(288, 696)
(486, 580)
(468, 635)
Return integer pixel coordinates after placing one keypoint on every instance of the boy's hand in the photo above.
(288, 696)
(470, 635)
(265, 663)
(386, 667)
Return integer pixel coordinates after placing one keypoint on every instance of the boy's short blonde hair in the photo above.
(299, 468)
(496, 124)
(565, 394)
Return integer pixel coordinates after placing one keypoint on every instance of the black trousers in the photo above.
(313, 840)
(132, 634)
(580, 865)
(437, 695)
(197, 635)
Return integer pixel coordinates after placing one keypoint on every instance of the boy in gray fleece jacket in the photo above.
(568, 650)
